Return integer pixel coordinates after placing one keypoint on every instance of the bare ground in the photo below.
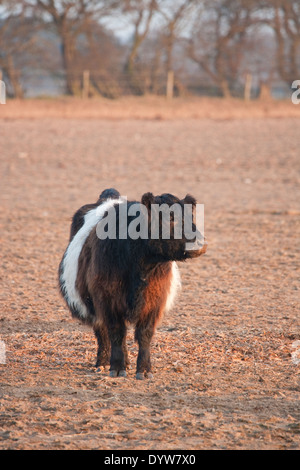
(226, 359)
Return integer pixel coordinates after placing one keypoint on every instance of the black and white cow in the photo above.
(110, 283)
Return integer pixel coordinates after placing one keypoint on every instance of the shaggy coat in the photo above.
(110, 283)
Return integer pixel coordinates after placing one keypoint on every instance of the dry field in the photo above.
(226, 359)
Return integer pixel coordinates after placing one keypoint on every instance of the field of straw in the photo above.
(226, 359)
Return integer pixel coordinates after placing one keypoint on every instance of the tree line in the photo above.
(130, 46)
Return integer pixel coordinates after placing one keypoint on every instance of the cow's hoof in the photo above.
(117, 373)
(142, 375)
(113, 373)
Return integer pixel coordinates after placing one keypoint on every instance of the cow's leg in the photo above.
(143, 334)
(103, 353)
(125, 352)
(118, 359)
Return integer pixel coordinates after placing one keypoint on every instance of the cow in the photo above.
(114, 277)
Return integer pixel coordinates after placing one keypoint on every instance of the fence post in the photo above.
(248, 85)
(85, 84)
(170, 84)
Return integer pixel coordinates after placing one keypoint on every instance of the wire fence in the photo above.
(112, 85)
(88, 83)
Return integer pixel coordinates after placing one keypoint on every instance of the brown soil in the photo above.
(226, 359)
(150, 107)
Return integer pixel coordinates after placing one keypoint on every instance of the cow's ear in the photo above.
(190, 200)
(147, 200)
(110, 193)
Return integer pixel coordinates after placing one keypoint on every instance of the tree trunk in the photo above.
(68, 49)
(134, 83)
(286, 56)
(225, 88)
(265, 92)
(13, 76)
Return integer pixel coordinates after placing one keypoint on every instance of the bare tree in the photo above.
(157, 26)
(219, 40)
(176, 15)
(286, 25)
(70, 18)
(140, 14)
(17, 43)
(98, 54)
